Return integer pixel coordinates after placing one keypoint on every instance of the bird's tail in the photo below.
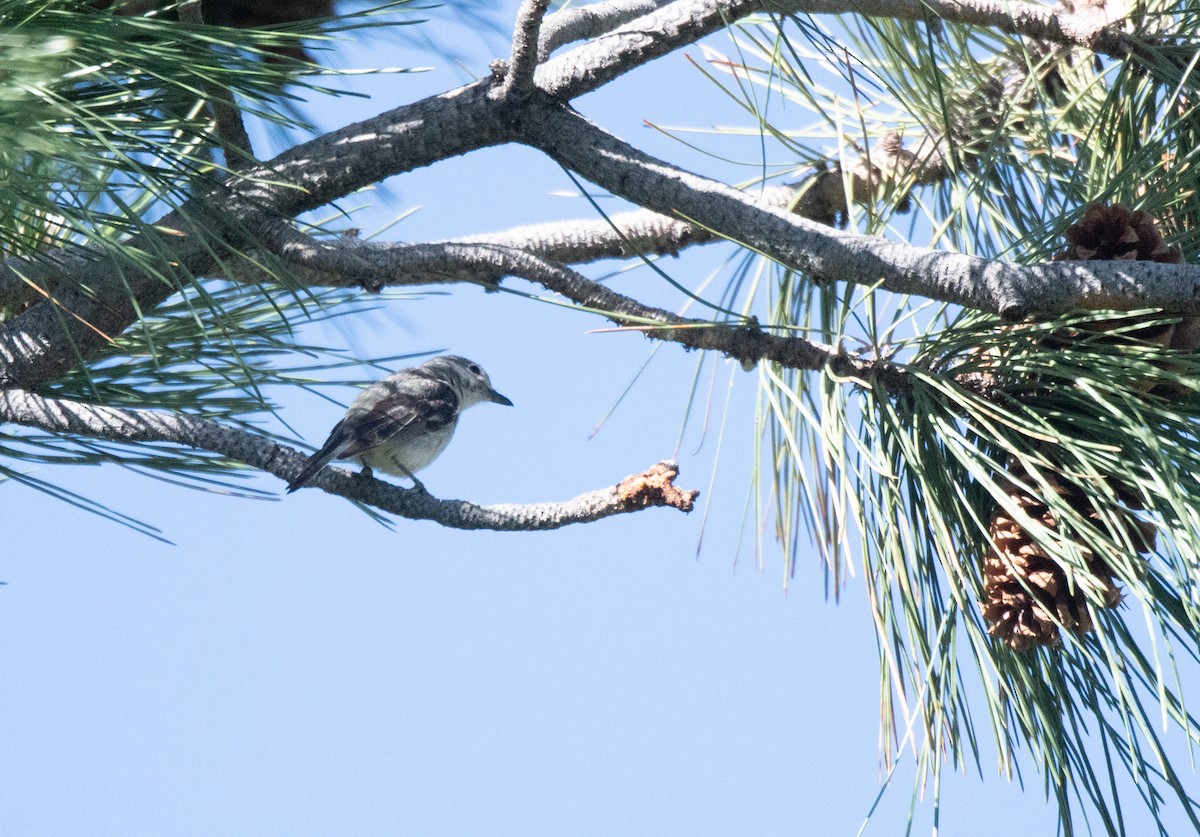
(330, 451)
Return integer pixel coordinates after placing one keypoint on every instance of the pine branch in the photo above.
(1010, 290)
(747, 342)
(352, 262)
(583, 23)
(100, 301)
(652, 488)
(685, 21)
(639, 232)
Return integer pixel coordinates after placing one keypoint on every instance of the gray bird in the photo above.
(401, 424)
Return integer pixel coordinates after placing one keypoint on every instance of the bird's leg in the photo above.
(366, 473)
(417, 484)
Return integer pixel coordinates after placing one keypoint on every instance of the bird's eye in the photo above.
(475, 370)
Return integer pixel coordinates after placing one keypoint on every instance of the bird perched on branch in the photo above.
(402, 423)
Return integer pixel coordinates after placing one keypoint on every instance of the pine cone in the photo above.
(1028, 593)
(1027, 590)
(1108, 233)
(1114, 233)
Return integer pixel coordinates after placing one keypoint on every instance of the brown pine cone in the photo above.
(1113, 233)
(1028, 593)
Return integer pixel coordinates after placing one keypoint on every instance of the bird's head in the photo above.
(468, 379)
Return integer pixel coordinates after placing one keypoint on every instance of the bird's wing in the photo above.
(397, 417)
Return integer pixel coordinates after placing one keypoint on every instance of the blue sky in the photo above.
(293, 668)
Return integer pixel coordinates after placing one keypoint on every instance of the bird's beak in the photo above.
(499, 399)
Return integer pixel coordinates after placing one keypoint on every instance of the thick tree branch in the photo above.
(583, 23)
(654, 487)
(832, 255)
(685, 21)
(1034, 20)
(101, 299)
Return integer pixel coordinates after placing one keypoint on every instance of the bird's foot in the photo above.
(417, 484)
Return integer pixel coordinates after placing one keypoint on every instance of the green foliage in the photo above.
(106, 124)
(102, 117)
(939, 459)
(212, 350)
(1013, 140)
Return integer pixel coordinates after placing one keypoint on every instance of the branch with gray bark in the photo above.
(1084, 28)
(1013, 291)
(88, 299)
(655, 487)
(93, 300)
(745, 341)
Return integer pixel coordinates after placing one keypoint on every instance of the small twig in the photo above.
(235, 142)
(230, 128)
(524, 59)
(654, 487)
(336, 259)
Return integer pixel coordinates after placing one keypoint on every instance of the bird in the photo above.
(403, 422)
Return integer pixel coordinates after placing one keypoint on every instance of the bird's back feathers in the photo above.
(390, 413)
(398, 416)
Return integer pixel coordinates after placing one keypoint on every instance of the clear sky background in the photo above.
(293, 668)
